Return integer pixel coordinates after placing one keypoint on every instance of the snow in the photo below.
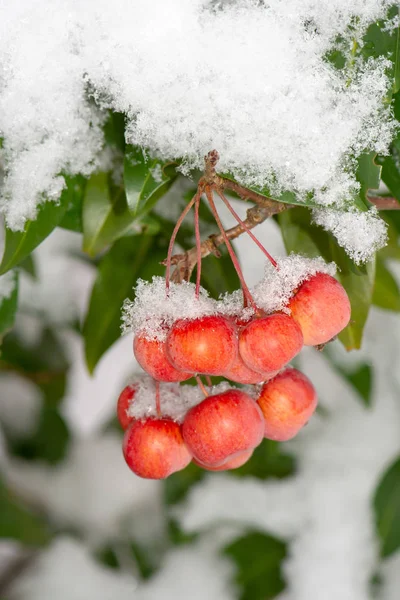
(229, 90)
(194, 572)
(360, 233)
(175, 399)
(94, 491)
(276, 288)
(8, 283)
(67, 571)
(154, 309)
(20, 404)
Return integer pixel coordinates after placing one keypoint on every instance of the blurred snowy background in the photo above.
(296, 523)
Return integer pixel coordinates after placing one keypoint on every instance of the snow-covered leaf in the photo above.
(19, 244)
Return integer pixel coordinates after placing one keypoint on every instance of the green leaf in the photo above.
(369, 175)
(390, 170)
(114, 131)
(19, 523)
(267, 461)
(28, 266)
(359, 287)
(360, 378)
(49, 443)
(72, 220)
(129, 258)
(177, 485)
(218, 275)
(19, 244)
(44, 363)
(146, 181)
(8, 307)
(106, 217)
(387, 510)
(258, 558)
(386, 292)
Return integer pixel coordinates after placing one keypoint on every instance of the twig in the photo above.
(384, 202)
(185, 263)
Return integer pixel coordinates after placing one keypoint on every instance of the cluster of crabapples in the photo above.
(221, 431)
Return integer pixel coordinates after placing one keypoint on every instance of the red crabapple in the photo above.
(152, 357)
(287, 403)
(154, 448)
(124, 402)
(269, 343)
(222, 426)
(321, 307)
(204, 345)
(240, 373)
(232, 463)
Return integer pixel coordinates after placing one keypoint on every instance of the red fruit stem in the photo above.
(198, 243)
(201, 386)
(208, 381)
(247, 230)
(248, 298)
(173, 238)
(158, 401)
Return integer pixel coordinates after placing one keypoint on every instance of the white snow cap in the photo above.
(276, 288)
(252, 80)
(153, 312)
(154, 309)
(175, 399)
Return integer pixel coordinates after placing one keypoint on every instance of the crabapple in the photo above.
(124, 401)
(152, 357)
(223, 426)
(154, 448)
(287, 403)
(321, 307)
(204, 345)
(232, 463)
(269, 343)
(240, 373)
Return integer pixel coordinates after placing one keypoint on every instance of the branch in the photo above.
(185, 263)
(384, 202)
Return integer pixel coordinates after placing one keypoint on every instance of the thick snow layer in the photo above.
(248, 78)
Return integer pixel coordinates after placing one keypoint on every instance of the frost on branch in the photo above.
(252, 80)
